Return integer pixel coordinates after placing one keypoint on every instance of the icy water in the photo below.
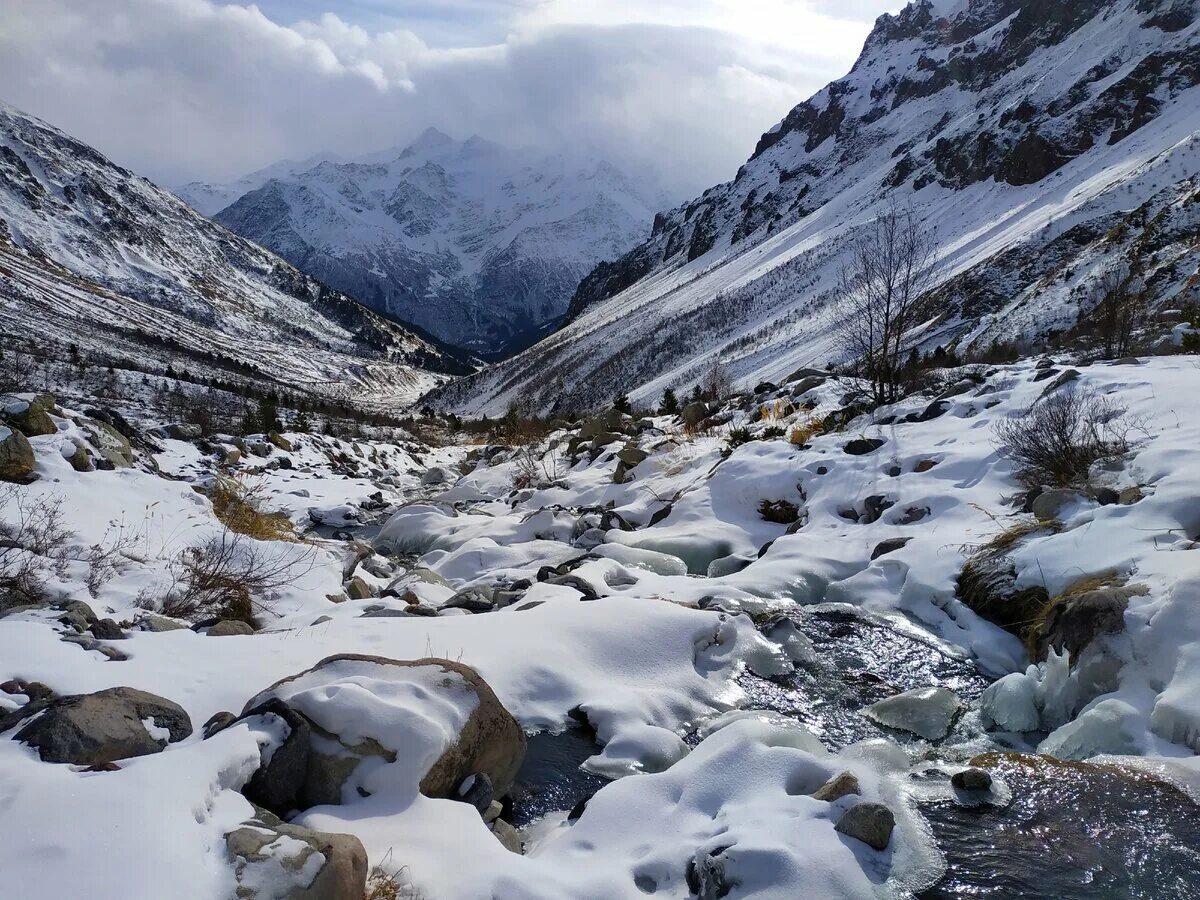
(1070, 830)
(1073, 831)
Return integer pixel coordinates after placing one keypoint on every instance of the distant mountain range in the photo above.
(1043, 142)
(480, 245)
(96, 256)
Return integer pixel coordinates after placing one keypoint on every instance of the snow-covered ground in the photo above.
(638, 599)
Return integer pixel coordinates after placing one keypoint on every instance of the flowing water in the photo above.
(1069, 830)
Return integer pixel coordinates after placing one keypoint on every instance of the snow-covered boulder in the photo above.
(396, 726)
(16, 456)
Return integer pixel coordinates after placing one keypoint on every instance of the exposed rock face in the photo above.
(117, 723)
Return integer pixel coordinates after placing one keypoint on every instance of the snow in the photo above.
(655, 665)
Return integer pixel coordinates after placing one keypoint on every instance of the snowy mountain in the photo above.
(478, 244)
(1042, 141)
(96, 256)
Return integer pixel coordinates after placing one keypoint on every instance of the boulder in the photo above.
(436, 475)
(863, 446)
(889, 546)
(184, 431)
(31, 417)
(230, 628)
(871, 823)
(632, 456)
(806, 384)
(106, 630)
(1049, 506)
(114, 448)
(16, 457)
(694, 413)
(477, 598)
(358, 589)
(116, 723)
(438, 717)
(276, 861)
(280, 441)
(79, 458)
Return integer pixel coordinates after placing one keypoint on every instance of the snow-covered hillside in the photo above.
(1042, 142)
(480, 245)
(94, 256)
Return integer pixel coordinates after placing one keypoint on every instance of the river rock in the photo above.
(230, 628)
(836, 788)
(871, 823)
(363, 708)
(972, 780)
(117, 723)
(276, 861)
(927, 712)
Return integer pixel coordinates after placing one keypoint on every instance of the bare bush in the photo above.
(1120, 302)
(1059, 438)
(239, 507)
(231, 576)
(717, 383)
(882, 297)
(34, 543)
(534, 469)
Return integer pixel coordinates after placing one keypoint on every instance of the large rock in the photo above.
(435, 716)
(276, 861)
(31, 417)
(112, 446)
(694, 413)
(16, 456)
(1050, 506)
(117, 723)
(871, 823)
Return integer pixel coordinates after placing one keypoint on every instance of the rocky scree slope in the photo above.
(480, 245)
(92, 254)
(1041, 142)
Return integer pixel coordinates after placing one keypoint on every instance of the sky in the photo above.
(182, 90)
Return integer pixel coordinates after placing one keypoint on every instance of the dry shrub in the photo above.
(782, 512)
(230, 576)
(238, 507)
(34, 542)
(534, 469)
(1058, 439)
(804, 432)
(773, 412)
(386, 885)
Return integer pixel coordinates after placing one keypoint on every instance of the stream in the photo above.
(1069, 831)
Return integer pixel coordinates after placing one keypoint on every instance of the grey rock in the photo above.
(1049, 505)
(88, 729)
(863, 446)
(508, 836)
(694, 413)
(871, 823)
(31, 417)
(477, 598)
(106, 630)
(1075, 623)
(230, 628)
(891, 545)
(358, 589)
(113, 447)
(478, 791)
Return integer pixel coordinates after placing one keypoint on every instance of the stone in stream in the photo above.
(927, 712)
(1011, 704)
(972, 779)
(871, 823)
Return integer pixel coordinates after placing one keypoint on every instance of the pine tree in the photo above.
(268, 414)
(621, 403)
(302, 423)
(670, 403)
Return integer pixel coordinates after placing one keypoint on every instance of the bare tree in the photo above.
(717, 383)
(1119, 304)
(882, 296)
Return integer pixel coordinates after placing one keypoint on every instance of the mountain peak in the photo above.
(431, 140)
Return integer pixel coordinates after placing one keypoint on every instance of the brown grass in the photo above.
(1034, 627)
(804, 432)
(237, 506)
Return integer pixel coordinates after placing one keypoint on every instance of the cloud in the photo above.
(180, 89)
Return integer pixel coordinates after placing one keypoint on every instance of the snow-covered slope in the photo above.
(478, 244)
(1041, 141)
(92, 254)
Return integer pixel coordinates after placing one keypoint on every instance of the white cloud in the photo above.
(192, 88)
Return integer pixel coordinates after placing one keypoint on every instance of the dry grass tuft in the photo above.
(238, 507)
(804, 432)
